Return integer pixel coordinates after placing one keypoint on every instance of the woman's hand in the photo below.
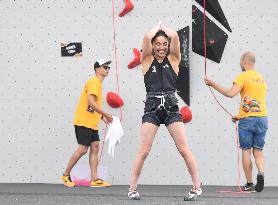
(160, 25)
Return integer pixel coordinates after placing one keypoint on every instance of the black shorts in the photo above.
(85, 136)
(168, 115)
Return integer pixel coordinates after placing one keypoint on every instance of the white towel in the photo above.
(114, 134)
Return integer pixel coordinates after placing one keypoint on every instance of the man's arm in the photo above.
(92, 101)
(228, 92)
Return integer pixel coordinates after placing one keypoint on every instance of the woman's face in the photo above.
(160, 46)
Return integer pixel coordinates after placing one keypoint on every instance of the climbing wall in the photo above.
(40, 89)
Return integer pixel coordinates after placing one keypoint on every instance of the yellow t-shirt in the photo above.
(83, 117)
(252, 94)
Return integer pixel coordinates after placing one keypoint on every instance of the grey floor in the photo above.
(155, 195)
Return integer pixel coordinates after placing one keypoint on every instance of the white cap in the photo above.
(101, 62)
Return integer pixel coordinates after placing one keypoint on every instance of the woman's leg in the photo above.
(148, 131)
(177, 132)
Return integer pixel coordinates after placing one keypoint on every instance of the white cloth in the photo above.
(114, 134)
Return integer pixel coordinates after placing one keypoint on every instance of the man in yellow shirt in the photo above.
(87, 117)
(252, 117)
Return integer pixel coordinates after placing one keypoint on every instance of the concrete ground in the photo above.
(52, 194)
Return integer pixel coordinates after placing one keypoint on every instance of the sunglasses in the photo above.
(106, 67)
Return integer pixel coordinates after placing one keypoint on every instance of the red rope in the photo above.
(115, 53)
(236, 127)
(205, 55)
(117, 74)
(205, 38)
(238, 159)
(101, 150)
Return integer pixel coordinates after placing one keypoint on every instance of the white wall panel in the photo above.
(40, 89)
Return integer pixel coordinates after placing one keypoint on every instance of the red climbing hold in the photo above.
(114, 100)
(128, 7)
(136, 61)
(186, 114)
